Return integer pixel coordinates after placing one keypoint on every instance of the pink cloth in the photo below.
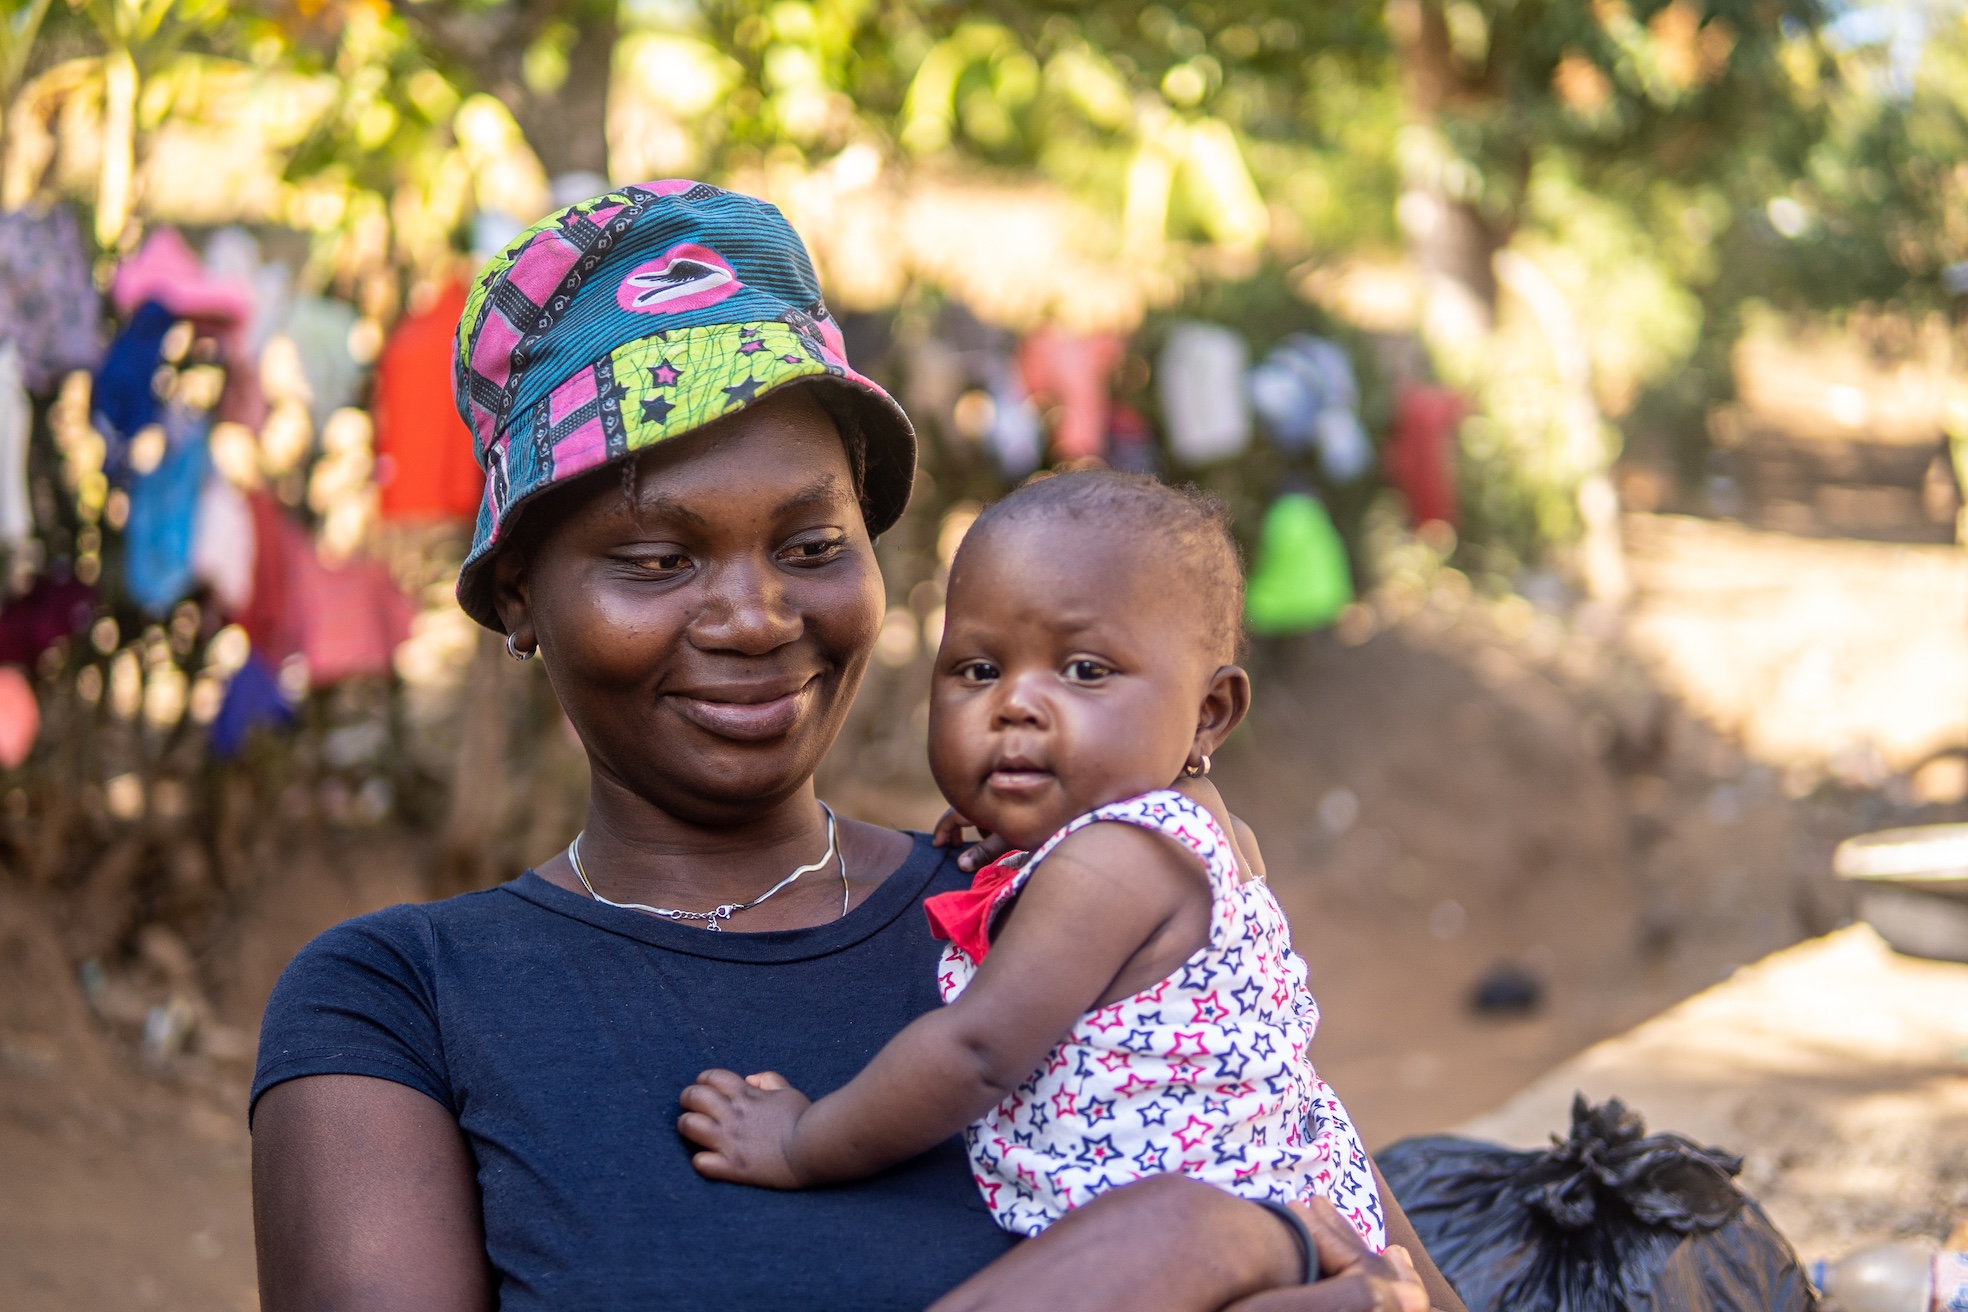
(20, 717)
(352, 618)
(1072, 372)
(169, 272)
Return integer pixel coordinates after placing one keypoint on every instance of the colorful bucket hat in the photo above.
(637, 316)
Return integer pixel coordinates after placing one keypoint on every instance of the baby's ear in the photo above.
(1225, 704)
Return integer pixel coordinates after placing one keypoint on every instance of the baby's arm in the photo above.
(1105, 897)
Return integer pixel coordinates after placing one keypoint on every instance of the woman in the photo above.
(471, 1103)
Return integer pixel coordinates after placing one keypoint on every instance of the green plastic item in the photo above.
(1301, 580)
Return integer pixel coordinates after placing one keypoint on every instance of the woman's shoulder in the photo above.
(409, 931)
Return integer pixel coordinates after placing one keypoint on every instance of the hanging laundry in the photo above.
(352, 618)
(232, 259)
(163, 511)
(1200, 379)
(168, 271)
(1301, 580)
(1073, 372)
(320, 328)
(1345, 450)
(53, 609)
(424, 464)
(1014, 436)
(48, 302)
(1131, 443)
(252, 699)
(16, 424)
(20, 717)
(1305, 393)
(222, 546)
(124, 398)
(1421, 451)
(232, 256)
(271, 617)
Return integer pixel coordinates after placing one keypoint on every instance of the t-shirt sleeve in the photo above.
(358, 1000)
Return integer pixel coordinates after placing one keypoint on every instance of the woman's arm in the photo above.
(1172, 1244)
(364, 1199)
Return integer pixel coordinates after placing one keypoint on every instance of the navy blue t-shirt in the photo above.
(559, 1032)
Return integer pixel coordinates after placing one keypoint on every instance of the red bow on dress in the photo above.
(964, 916)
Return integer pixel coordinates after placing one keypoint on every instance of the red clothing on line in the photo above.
(1421, 451)
(424, 464)
(271, 618)
(1072, 371)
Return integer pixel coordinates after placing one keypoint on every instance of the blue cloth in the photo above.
(252, 698)
(123, 397)
(163, 513)
(559, 1032)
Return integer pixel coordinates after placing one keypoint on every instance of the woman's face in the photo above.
(707, 631)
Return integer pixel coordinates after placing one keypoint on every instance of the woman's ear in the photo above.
(1225, 705)
(511, 598)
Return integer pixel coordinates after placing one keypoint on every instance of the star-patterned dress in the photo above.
(1206, 1073)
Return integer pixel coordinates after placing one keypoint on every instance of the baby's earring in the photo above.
(1195, 771)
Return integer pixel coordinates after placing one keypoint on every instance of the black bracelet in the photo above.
(1300, 1235)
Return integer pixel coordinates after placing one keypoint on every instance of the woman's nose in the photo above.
(746, 610)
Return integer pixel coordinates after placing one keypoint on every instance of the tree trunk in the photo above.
(472, 830)
(567, 125)
(1451, 242)
(568, 130)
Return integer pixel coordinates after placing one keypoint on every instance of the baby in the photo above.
(1124, 1001)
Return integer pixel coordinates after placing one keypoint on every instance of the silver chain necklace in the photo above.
(725, 912)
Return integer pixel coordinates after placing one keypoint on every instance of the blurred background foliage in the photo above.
(1660, 165)
(1572, 212)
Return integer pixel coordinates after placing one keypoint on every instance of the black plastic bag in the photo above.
(1610, 1220)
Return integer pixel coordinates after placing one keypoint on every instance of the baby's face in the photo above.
(1072, 672)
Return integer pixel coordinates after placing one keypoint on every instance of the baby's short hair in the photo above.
(1190, 528)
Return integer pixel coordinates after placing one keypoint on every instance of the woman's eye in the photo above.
(1086, 671)
(813, 552)
(663, 562)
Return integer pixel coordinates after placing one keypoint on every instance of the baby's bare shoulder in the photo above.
(1128, 854)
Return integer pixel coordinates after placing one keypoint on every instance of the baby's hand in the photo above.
(745, 1127)
(949, 833)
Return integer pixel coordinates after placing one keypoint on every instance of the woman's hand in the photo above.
(1352, 1278)
(745, 1126)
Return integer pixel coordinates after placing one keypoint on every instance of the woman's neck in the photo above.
(636, 852)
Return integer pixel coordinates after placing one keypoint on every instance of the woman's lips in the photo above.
(747, 721)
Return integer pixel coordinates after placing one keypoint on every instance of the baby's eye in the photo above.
(1086, 671)
(977, 672)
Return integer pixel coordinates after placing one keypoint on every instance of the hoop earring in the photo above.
(1195, 771)
(512, 649)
